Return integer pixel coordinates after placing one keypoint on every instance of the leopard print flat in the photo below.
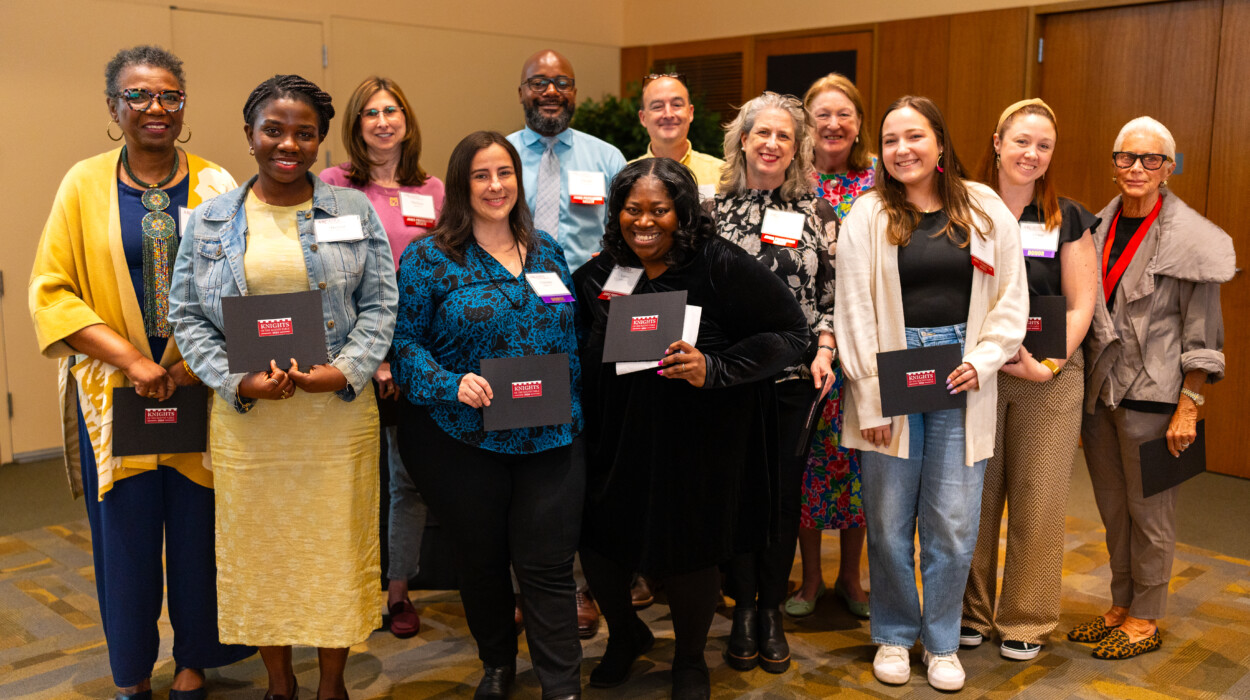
(1116, 645)
(1091, 632)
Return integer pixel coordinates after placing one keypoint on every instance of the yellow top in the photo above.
(80, 278)
(706, 169)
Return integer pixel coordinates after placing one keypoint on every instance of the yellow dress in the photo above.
(297, 490)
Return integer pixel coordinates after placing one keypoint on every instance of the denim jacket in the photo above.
(357, 278)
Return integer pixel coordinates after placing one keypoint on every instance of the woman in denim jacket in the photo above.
(295, 449)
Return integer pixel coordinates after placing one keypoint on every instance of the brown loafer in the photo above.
(518, 619)
(640, 592)
(1093, 631)
(587, 614)
(1116, 646)
(405, 622)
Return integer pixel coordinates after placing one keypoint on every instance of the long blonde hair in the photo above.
(733, 177)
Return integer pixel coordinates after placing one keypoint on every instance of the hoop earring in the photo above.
(108, 131)
(188, 138)
(251, 151)
(939, 163)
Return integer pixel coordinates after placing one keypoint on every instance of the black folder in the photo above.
(1047, 334)
(642, 326)
(914, 381)
(813, 415)
(1161, 471)
(265, 327)
(143, 426)
(529, 391)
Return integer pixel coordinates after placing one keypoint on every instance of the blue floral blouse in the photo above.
(453, 315)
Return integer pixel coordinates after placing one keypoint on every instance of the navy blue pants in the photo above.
(138, 517)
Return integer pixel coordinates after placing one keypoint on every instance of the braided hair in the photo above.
(291, 87)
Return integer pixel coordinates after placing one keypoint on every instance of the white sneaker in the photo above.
(892, 664)
(945, 671)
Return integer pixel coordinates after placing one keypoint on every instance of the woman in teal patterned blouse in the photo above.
(831, 496)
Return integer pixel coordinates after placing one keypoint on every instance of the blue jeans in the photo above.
(932, 489)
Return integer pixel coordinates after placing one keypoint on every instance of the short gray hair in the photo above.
(733, 179)
(1151, 126)
(153, 56)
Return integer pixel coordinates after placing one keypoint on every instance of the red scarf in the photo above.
(1110, 278)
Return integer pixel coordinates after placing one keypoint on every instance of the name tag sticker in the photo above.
(707, 192)
(1038, 241)
(160, 415)
(184, 218)
(644, 323)
(418, 209)
(527, 390)
(783, 228)
(982, 254)
(340, 228)
(587, 187)
(926, 377)
(269, 327)
(621, 282)
(549, 287)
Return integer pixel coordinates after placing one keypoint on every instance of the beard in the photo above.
(548, 126)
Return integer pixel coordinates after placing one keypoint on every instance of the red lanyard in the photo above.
(1110, 278)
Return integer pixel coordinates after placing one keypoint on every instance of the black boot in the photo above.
(743, 651)
(691, 680)
(623, 650)
(496, 682)
(774, 651)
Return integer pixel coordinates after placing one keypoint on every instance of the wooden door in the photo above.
(790, 65)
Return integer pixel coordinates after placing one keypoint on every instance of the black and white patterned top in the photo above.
(807, 269)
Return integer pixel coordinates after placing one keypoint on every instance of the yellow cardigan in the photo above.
(81, 278)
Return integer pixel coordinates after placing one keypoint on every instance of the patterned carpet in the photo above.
(51, 644)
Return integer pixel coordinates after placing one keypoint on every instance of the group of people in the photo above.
(809, 249)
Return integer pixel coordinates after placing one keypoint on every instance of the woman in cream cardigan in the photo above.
(924, 259)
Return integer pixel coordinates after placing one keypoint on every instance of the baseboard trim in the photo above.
(38, 455)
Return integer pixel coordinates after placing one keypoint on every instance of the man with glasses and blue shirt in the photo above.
(566, 172)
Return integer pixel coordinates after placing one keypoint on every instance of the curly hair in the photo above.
(409, 173)
(145, 55)
(694, 226)
(454, 231)
(292, 87)
(799, 174)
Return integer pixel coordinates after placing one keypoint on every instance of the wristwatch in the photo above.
(1050, 365)
(1194, 396)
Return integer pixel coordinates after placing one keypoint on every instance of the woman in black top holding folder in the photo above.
(485, 285)
(682, 455)
(1039, 409)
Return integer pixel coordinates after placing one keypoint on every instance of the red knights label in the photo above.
(927, 377)
(267, 327)
(527, 390)
(160, 415)
(644, 323)
(1035, 324)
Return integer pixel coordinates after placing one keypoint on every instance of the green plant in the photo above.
(615, 120)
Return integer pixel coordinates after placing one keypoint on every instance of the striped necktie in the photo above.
(547, 201)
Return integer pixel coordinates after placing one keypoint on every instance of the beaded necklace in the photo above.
(160, 246)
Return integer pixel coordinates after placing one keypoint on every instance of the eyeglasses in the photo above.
(651, 77)
(563, 83)
(140, 100)
(390, 111)
(1150, 161)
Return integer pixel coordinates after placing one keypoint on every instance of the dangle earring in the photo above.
(108, 131)
(1165, 183)
(939, 163)
(188, 138)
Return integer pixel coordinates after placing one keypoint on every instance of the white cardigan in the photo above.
(868, 319)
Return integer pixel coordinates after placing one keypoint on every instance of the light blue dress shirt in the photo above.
(581, 225)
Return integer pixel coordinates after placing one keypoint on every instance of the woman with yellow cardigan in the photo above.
(98, 298)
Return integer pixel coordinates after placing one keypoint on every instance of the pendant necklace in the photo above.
(159, 249)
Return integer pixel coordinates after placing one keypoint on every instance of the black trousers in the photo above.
(502, 510)
(762, 577)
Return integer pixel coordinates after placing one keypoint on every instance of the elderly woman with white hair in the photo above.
(1156, 339)
(766, 206)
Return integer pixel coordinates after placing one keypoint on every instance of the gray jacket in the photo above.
(1166, 319)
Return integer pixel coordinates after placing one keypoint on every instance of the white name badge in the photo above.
(340, 228)
(1037, 240)
(621, 282)
(982, 253)
(707, 192)
(783, 228)
(549, 287)
(418, 209)
(587, 187)
(184, 218)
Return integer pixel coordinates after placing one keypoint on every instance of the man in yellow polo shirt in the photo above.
(666, 113)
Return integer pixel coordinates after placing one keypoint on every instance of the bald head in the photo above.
(546, 60)
(548, 92)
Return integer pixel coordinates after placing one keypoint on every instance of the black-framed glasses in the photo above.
(390, 111)
(539, 84)
(651, 77)
(1150, 161)
(140, 100)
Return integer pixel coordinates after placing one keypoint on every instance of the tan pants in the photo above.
(1141, 532)
(1034, 445)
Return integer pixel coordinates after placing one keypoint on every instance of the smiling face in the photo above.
(837, 127)
(548, 111)
(492, 185)
(1024, 149)
(383, 134)
(666, 111)
(1136, 182)
(155, 129)
(910, 151)
(648, 220)
(769, 149)
(285, 139)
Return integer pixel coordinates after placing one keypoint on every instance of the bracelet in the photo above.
(832, 350)
(187, 368)
(1194, 396)
(1050, 365)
